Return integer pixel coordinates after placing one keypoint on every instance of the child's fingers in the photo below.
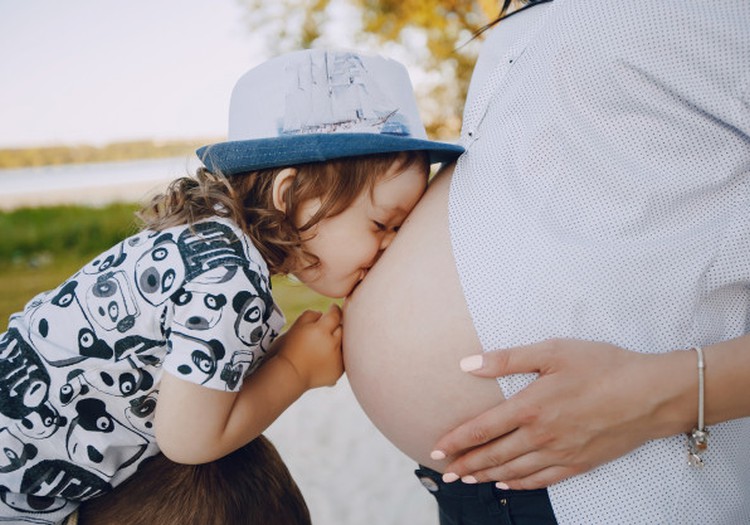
(338, 336)
(331, 320)
(309, 316)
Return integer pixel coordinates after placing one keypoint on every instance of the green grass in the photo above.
(33, 236)
(20, 283)
(42, 247)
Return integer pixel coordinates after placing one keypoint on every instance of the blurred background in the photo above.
(103, 102)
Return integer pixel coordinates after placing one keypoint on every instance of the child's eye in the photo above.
(380, 226)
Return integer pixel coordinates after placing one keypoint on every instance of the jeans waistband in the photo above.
(483, 503)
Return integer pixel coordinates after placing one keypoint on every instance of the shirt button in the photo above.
(429, 484)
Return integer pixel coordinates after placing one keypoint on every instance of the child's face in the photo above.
(349, 243)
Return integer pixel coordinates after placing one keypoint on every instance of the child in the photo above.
(249, 486)
(156, 344)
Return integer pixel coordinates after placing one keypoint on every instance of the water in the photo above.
(94, 183)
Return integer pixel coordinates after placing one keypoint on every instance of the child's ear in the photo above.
(281, 185)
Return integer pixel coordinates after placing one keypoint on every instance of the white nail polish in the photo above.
(450, 477)
(437, 455)
(473, 362)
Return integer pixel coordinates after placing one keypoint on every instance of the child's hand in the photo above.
(313, 347)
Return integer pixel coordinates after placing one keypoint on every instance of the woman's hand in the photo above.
(312, 345)
(592, 402)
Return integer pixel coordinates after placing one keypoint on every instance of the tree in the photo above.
(433, 38)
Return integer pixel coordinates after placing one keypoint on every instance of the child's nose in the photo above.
(385, 242)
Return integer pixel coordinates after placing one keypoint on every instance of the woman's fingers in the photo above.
(518, 360)
(496, 456)
(486, 427)
(591, 403)
(530, 470)
(506, 440)
(537, 419)
(506, 416)
(539, 479)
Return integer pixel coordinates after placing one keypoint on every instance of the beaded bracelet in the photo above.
(698, 437)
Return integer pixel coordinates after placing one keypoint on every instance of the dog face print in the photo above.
(124, 382)
(61, 331)
(196, 310)
(88, 449)
(111, 304)
(42, 422)
(112, 258)
(160, 272)
(251, 313)
(203, 357)
(15, 452)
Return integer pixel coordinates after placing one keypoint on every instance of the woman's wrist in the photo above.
(675, 384)
(727, 375)
(675, 389)
(698, 436)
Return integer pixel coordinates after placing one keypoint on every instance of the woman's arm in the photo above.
(592, 402)
(195, 424)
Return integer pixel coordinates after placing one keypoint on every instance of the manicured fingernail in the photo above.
(502, 486)
(450, 477)
(437, 454)
(469, 480)
(473, 362)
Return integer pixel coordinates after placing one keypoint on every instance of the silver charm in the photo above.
(697, 444)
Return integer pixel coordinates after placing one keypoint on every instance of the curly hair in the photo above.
(247, 199)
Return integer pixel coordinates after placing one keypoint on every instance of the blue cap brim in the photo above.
(242, 156)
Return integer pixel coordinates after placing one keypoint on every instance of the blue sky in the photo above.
(96, 71)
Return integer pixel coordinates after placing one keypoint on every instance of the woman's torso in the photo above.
(604, 195)
(407, 327)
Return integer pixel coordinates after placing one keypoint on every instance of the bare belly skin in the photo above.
(406, 327)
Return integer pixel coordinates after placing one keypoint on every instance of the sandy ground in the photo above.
(347, 471)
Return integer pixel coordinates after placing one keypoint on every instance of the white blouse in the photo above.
(605, 195)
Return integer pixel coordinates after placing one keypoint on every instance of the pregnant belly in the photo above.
(406, 327)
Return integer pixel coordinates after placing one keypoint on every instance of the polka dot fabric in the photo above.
(605, 195)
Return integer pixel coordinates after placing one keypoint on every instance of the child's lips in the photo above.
(360, 277)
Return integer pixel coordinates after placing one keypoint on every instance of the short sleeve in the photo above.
(222, 325)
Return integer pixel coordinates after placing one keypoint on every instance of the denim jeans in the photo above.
(484, 504)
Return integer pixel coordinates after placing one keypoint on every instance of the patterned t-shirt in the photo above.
(80, 366)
